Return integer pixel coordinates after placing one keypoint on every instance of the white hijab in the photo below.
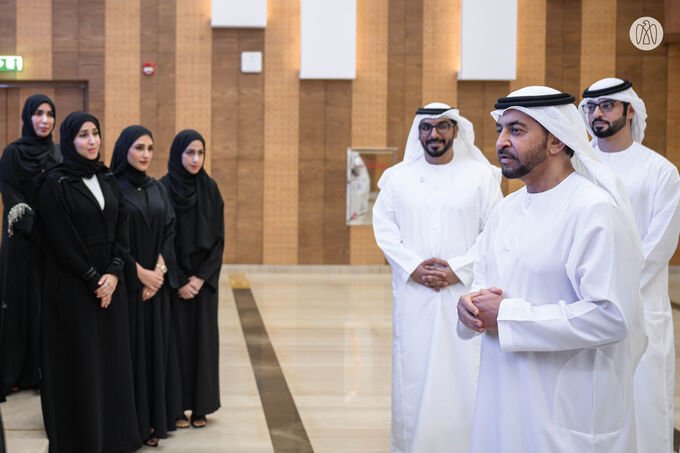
(637, 127)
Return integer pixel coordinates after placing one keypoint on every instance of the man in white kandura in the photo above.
(557, 299)
(616, 118)
(430, 209)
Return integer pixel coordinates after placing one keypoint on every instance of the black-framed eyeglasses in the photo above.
(442, 127)
(605, 106)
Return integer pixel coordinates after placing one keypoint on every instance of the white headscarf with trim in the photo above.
(565, 123)
(637, 127)
(463, 144)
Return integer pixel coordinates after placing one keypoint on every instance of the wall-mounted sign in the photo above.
(11, 63)
(148, 68)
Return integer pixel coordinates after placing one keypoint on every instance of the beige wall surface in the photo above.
(276, 145)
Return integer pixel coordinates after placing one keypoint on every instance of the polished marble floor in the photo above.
(330, 328)
(331, 331)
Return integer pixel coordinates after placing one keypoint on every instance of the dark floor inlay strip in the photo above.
(676, 439)
(286, 430)
(675, 305)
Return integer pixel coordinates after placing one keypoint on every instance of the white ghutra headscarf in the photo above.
(463, 144)
(618, 90)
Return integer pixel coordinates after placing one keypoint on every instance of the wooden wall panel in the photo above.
(563, 46)
(66, 100)
(34, 38)
(276, 145)
(166, 81)
(14, 105)
(91, 61)
(441, 51)
(250, 114)
(4, 136)
(311, 176)
(325, 134)
(8, 25)
(281, 132)
(476, 100)
(598, 40)
(65, 39)
(224, 150)
(192, 69)
(413, 63)
(369, 90)
(369, 108)
(672, 105)
(122, 76)
(148, 85)
(671, 23)
(338, 138)
(654, 79)
(8, 36)
(531, 44)
(404, 68)
(646, 69)
(363, 249)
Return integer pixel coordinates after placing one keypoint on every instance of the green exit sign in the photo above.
(11, 63)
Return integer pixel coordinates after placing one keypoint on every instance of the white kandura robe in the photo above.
(426, 211)
(557, 375)
(653, 185)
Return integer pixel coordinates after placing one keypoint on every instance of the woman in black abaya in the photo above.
(199, 242)
(87, 385)
(151, 220)
(22, 163)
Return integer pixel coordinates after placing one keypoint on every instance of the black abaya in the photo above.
(22, 163)
(151, 234)
(199, 243)
(87, 382)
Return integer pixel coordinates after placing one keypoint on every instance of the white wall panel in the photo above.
(488, 44)
(239, 13)
(328, 39)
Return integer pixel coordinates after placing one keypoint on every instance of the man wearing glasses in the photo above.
(431, 208)
(616, 118)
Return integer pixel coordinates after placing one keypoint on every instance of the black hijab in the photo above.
(35, 152)
(119, 162)
(74, 164)
(195, 198)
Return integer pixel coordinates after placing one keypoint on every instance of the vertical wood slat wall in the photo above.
(276, 144)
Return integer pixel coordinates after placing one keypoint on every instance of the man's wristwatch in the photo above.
(162, 267)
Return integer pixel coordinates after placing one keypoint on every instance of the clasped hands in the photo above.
(435, 273)
(107, 286)
(191, 289)
(151, 280)
(479, 310)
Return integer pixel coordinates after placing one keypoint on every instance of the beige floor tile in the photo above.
(333, 338)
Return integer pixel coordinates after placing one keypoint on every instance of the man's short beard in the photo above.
(613, 128)
(533, 158)
(445, 148)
